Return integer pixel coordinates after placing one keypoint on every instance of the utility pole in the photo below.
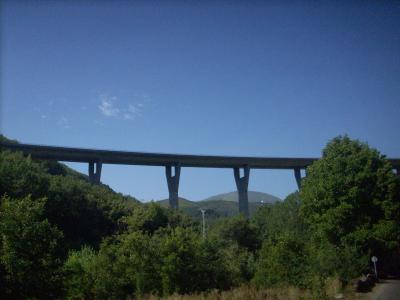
(203, 213)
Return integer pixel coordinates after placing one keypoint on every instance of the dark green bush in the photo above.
(30, 251)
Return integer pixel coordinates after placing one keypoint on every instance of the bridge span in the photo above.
(172, 163)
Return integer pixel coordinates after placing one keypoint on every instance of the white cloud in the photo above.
(107, 106)
(131, 112)
(63, 122)
(128, 116)
(135, 108)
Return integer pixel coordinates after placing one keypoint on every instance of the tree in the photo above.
(191, 264)
(21, 176)
(236, 229)
(237, 237)
(282, 217)
(138, 257)
(152, 217)
(351, 198)
(85, 213)
(178, 256)
(281, 262)
(72, 207)
(79, 270)
(147, 218)
(30, 250)
(126, 265)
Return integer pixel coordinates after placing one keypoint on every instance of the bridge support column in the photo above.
(297, 175)
(95, 175)
(242, 184)
(173, 185)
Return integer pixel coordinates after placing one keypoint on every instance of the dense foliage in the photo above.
(62, 237)
(30, 250)
(351, 200)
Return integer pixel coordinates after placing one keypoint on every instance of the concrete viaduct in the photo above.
(172, 163)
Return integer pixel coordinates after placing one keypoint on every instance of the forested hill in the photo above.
(84, 212)
(253, 197)
(222, 205)
(215, 209)
(54, 168)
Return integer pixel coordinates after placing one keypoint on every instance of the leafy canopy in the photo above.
(351, 197)
(30, 250)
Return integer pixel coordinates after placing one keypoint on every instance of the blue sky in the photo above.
(246, 79)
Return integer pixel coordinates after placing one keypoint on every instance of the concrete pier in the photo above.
(242, 184)
(173, 185)
(95, 175)
(297, 175)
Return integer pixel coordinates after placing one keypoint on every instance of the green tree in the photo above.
(151, 217)
(147, 218)
(80, 269)
(30, 250)
(238, 230)
(282, 262)
(282, 217)
(21, 176)
(84, 212)
(126, 265)
(351, 198)
(72, 207)
(218, 267)
(191, 264)
(327, 260)
(179, 261)
(139, 259)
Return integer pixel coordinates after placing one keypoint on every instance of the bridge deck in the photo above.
(160, 159)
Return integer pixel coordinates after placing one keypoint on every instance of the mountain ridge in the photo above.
(254, 196)
(222, 205)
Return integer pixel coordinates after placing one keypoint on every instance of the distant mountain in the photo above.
(223, 205)
(254, 197)
(183, 203)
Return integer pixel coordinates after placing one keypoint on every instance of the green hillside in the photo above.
(253, 197)
(214, 208)
(85, 213)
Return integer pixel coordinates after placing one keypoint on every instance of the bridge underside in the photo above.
(171, 162)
